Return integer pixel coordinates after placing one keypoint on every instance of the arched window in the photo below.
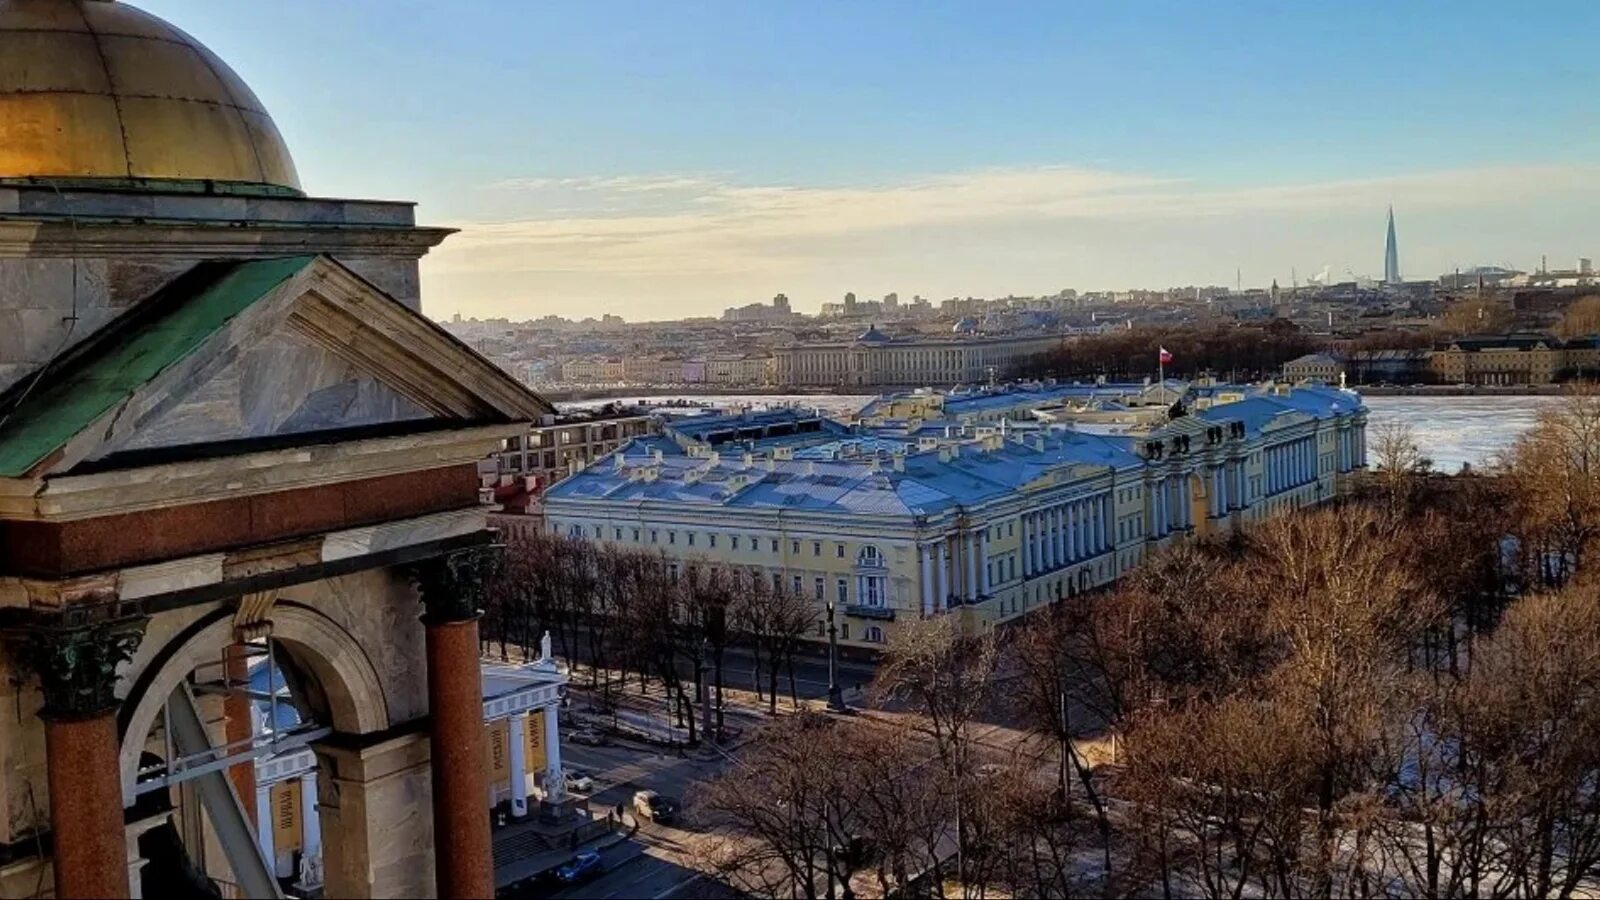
(870, 557)
(875, 634)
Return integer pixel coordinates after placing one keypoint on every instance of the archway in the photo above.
(304, 677)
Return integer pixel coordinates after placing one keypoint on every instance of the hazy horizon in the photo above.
(657, 162)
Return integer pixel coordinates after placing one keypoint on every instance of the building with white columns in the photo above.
(918, 510)
(521, 706)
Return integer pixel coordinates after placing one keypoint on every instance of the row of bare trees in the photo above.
(625, 614)
(1398, 695)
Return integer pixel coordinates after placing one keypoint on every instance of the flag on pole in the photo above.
(1165, 356)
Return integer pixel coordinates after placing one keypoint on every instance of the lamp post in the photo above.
(835, 693)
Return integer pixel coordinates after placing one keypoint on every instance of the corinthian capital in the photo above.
(454, 586)
(76, 653)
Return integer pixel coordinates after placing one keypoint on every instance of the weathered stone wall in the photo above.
(71, 261)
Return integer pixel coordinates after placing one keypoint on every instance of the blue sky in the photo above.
(660, 159)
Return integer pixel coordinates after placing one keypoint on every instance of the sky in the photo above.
(662, 159)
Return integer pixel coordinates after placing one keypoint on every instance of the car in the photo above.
(577, 780)
(589, 737)
(656, 808)
(582, 867)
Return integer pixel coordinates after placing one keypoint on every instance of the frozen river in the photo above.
(1452, 431)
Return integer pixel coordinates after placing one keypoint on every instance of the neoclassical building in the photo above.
(227, 435)
(934, 503)
(875, 359)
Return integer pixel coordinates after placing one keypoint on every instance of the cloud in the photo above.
(708, 238)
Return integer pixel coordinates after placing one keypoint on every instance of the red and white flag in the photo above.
(1166, 358)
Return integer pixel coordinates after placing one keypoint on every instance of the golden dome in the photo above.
(95, 89)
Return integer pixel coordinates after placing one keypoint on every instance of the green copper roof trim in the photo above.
(109, 367)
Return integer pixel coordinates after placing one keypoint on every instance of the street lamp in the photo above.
(835, 693)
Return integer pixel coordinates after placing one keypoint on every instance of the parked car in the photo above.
(582, 867)
(656, 808)
(589, 737)
(577, 780)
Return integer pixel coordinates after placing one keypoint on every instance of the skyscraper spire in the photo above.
(1391, 254)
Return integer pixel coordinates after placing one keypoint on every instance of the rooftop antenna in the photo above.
(1238, 281)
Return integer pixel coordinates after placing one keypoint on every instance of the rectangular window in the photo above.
(733, 541)
(839, 551)
(844, 631)
(774, 545)
(844, 591)
(816, 548)
(819, 588)
(653, 537)
(794, 547)
(777, 582)
(691, 539)
(636, 535)
(712, 540)
(619, 534)
(799, 586)
(672, 537)
(672, 572)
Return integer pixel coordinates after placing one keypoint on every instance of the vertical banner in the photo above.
(498, 734)
(287, 833)
(534, 745)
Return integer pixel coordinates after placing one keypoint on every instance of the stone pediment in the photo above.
(241, 353)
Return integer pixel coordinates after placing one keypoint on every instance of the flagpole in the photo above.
(1161, 372)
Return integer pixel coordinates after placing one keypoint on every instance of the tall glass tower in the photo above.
(1391, 255)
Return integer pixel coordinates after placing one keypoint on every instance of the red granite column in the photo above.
(451, 588)
(89, 839)
(76, 653)
(237, 727)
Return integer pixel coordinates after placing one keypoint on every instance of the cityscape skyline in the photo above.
(689, 162)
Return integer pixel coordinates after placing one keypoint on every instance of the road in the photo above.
(655, 863)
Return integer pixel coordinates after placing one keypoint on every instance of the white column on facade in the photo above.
(1061, 535)
(1030, 567)
(972, 565)
(555, 786)
(1074, 529)
(519, 764)
(1108, 533)
(310, 818)
(269, 850)
(942, 571)
(986, 567)
(1051, 550)
(925, 557)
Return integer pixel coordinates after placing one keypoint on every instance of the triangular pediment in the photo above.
(238, 353)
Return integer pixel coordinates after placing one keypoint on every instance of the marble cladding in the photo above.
(282, 385)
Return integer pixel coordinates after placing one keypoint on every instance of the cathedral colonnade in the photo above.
(377, 780)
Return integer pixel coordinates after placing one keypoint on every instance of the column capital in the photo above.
(454, 586)
(75, 654)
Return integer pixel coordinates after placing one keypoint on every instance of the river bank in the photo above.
(1460, 390)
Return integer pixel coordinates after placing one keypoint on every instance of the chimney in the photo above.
(748, 460)
(899, 460)
(656, 455)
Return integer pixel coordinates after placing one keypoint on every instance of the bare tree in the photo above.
(1553, 477)
(1398, 462)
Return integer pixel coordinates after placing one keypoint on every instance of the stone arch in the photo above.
(345, 676)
